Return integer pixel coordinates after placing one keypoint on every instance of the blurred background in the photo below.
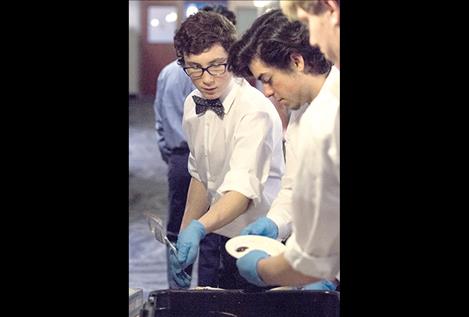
(151, 30)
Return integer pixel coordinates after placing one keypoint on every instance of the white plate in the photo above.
(284, 288)
(207, 288)
(240, 245)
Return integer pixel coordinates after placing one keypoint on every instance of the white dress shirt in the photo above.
(313, 248)
(281, 211)
(241, 152)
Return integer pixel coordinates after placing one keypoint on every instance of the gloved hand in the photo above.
(188, 243)
(323, 285)
(179, 276)
(247, 266)
(263, 226)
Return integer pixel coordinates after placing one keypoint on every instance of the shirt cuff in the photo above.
(192, 168)
(282, 221)
(325, 267)
(244, 183)
(195, 175)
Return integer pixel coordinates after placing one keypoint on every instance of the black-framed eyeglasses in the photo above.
(214, 70)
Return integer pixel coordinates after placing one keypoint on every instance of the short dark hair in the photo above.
(218, 8)
(201, 31)
(273, 39)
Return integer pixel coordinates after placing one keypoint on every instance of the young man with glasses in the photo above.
(173, 86)
(234, 135)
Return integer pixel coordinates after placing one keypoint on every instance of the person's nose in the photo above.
(268, 91)
(207, 78)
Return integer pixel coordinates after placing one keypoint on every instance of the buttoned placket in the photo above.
(207, 128)
(211, 124)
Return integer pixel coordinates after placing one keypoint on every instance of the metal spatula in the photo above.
(159, 231)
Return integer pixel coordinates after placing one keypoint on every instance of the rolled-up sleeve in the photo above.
(192, 167)
(324, 266)
(251, 157)
(314, 247)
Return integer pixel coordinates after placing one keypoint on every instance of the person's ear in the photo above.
(334, 11)
(298, 61)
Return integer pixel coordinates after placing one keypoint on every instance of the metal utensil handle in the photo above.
(170, 245)
(173, 249)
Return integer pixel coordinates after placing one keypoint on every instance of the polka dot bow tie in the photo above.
(201, 105)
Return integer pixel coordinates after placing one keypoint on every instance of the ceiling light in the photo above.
(171, 17)
(154, 22)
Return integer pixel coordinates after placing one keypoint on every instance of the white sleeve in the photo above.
(281, 209)
(192, 167)
(251, 157)
(321, 266)
(191, 163)
(314, 247)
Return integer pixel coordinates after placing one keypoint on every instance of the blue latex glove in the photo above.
(262, 227)
(323, 285)
(179, 276)
(188, 243)
(247, 266)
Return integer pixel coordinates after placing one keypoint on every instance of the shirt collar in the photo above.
(332, 82)
(231, 92)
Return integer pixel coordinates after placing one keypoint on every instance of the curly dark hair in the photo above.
(218, 8)
(273, 38)
(201, 31)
